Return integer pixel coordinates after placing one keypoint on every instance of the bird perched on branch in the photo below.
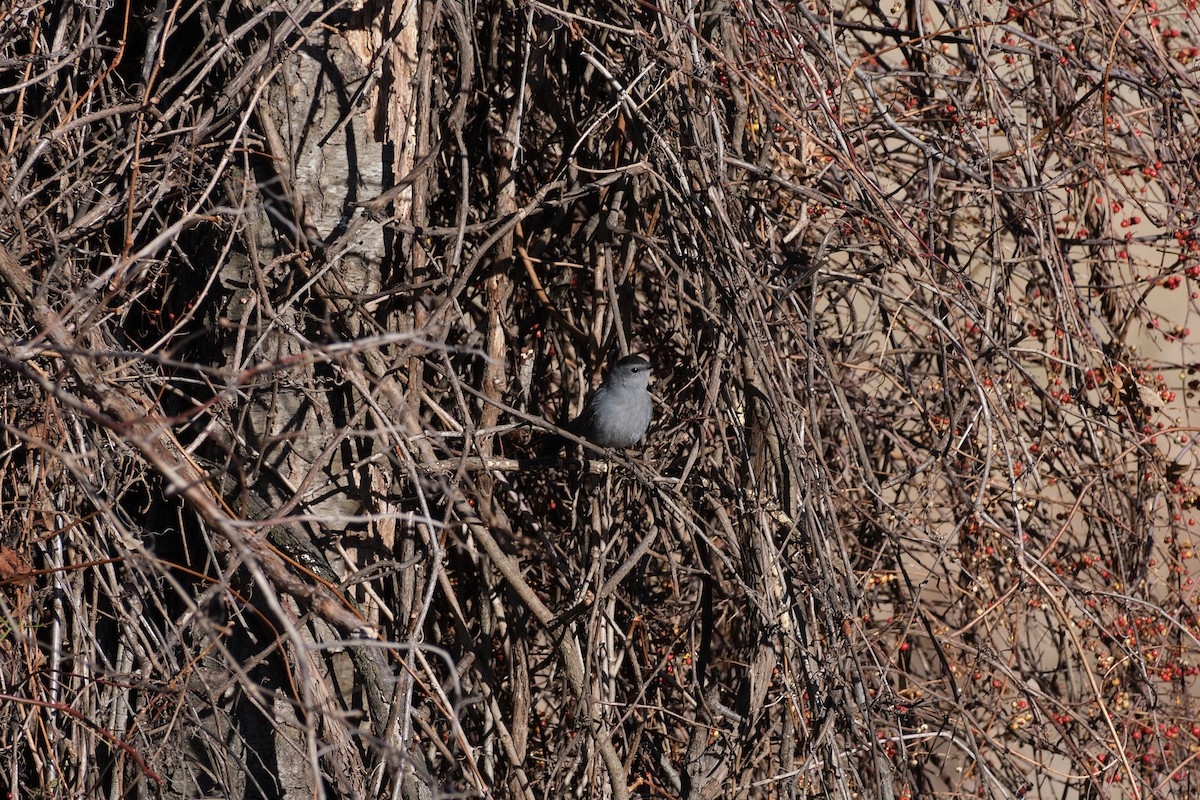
(618, 413)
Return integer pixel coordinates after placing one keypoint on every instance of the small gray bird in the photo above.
(618, 413)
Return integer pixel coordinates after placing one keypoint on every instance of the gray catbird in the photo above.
(618, 412)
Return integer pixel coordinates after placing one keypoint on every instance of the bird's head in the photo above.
(631, 372)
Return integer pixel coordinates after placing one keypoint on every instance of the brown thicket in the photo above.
(289, 287)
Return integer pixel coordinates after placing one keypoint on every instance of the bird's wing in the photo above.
(586, 421)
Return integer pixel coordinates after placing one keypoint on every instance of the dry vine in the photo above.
(288, 286)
